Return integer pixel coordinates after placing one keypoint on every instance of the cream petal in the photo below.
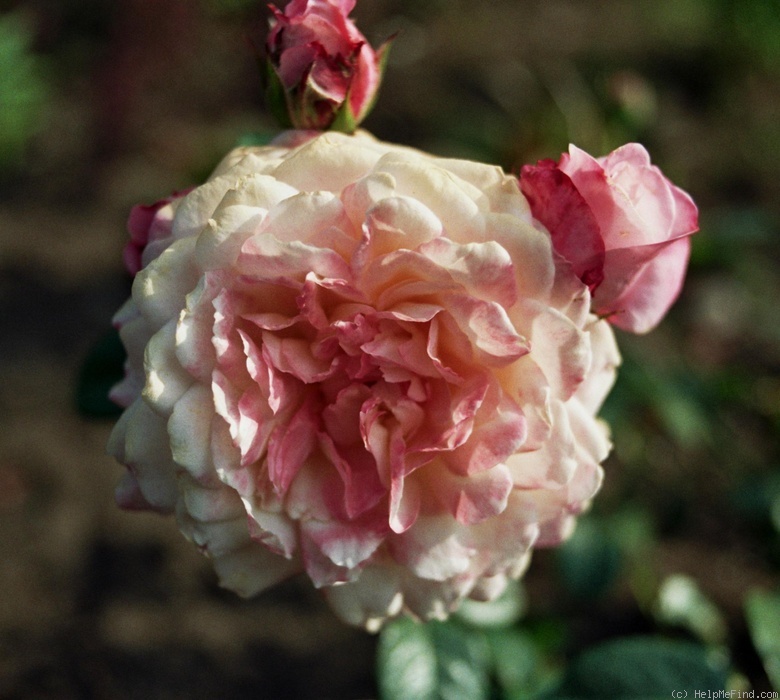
(603, 370)
(455, 202)
(561, 350)
(159, 290)
(432, 549)
(139, 440)
(251, 569)
(189, 430)
(209, 505)
(369, 600)
(166, 379)
(199, 205)
(327, 163)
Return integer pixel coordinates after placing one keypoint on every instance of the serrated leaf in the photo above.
(434, 661)
(642, 667)
(763, 616)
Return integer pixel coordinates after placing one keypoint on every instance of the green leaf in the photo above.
(589, 561)
(763, 616)
(276, 96)
(516, 661)
(102, 368)
(642, 667)
(256, 138)
(682, 603)
(24, 87)
(406, 660)
(434, 661)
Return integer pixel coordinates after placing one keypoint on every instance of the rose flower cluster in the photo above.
(382, 368)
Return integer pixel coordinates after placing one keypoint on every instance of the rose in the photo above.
(323, 72)
(365, 363)
(621, 224)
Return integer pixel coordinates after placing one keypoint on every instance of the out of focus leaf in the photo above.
(435, 661)
(642, 667)
(256, 138)
(682, 603)
(406, 660)
(518, 666)
(729, 231)
(758, 25)
(102, 368)
(589, 561)
(763, 616)
(23, 89)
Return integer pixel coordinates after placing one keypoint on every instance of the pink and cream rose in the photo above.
(622, 225)
(364, 363)
(323, 72)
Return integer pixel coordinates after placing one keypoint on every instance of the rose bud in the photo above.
(322, 72)
(621, 224)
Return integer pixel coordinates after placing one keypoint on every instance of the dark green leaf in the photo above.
(276, 97)
(642, 667)
(763, 616)
(256, 138)
(102, 368)
(515, 660)
(589, 561)
(463, 660)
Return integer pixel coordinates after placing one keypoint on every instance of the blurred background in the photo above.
(107, 103)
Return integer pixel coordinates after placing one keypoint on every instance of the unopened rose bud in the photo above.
(322, 72)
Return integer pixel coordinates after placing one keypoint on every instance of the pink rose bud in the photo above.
(621, 224)
(322, 72)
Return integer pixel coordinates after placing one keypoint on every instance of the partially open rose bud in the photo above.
(622, 225)
(322, 72)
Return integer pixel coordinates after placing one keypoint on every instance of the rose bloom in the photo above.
(365, 363)
(623, 225)
(324, 66)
